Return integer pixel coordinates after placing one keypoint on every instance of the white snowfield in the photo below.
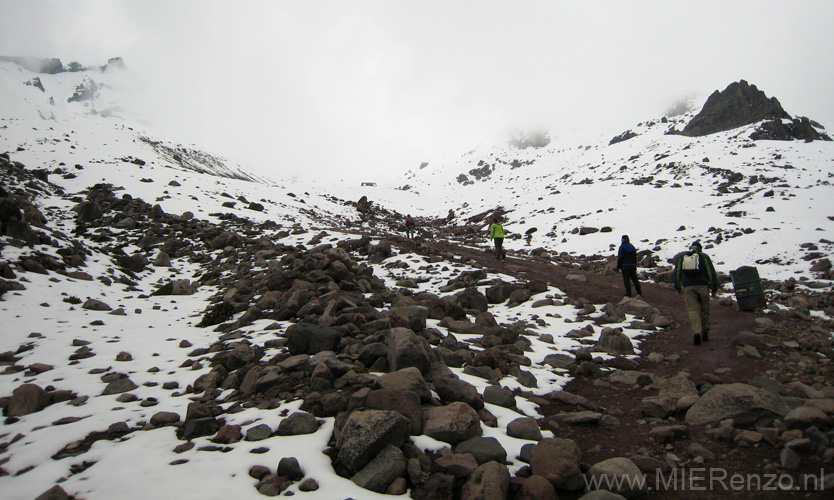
(762, 223)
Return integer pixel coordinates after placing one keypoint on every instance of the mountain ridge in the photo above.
(555, 196)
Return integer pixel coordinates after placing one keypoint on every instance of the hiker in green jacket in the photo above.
(496, 232)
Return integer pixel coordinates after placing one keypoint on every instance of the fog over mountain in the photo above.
(374, 88)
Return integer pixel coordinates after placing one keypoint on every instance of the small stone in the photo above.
(748, 438)
(289, 467)
(308, 485)
(258, 472)
(789, 459)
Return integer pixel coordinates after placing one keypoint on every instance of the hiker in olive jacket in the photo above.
(695, 276)
(496, 232)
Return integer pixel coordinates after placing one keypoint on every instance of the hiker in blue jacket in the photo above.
(410, 224)
(627, 264)
(695, 274)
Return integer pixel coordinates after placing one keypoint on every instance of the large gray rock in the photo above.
(657, 407)
(415, 316)
(304, 338)
(471, 298)
(677, 387)
(457, 464)
(450, 388)
(613, 342)
(490, 480)
(452, 423)
(382, 470)
(406, 403)
(743, 403)
(366, 433)
(558, 360)
(407, 379)
(558, 460)
(501, 292)
(807, 416)
(618, 475)
(612, 314)
(524, 428)
(163, 418)
(499, 396)
(297, 423)
(26, 399)
(637, 307)
(405, 349)
(484, 449)
(96, 305)
(536, 488)
(119, 386)
(258, 432)
(183, 287)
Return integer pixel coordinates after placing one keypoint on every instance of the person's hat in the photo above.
(625, 237)
(696, 245)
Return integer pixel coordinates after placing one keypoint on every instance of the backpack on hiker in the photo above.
(691, 263)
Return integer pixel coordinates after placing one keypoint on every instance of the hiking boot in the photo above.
(705, 335)
(697, 339)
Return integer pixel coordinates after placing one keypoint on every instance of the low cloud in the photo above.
(374, 88)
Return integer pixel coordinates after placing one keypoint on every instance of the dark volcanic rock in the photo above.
(738, 105)
(27, 398)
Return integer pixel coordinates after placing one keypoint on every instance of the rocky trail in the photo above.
(786, 354)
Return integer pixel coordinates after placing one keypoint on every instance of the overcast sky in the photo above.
(376, 87)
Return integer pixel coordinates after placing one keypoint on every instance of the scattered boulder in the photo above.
(490, 480)
(557, 460)
(618, 475)
(745, 404)
(613, 341)
(366, 433)
(453, 423)
(26, 399)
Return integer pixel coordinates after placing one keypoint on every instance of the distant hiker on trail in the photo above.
(695, 274)
(409, 226)
(496, 232)
(627, 263)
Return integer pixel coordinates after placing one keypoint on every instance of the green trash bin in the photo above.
(748, 288)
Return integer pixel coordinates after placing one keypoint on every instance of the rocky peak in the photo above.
(738, 105)
(53, 65)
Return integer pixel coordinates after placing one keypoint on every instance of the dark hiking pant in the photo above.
(499, 248)
(696, 299)
(630, 275)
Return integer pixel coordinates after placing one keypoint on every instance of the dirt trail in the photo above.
(727, 320)
(718, 358)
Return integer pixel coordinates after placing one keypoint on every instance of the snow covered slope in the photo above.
(761, 203)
